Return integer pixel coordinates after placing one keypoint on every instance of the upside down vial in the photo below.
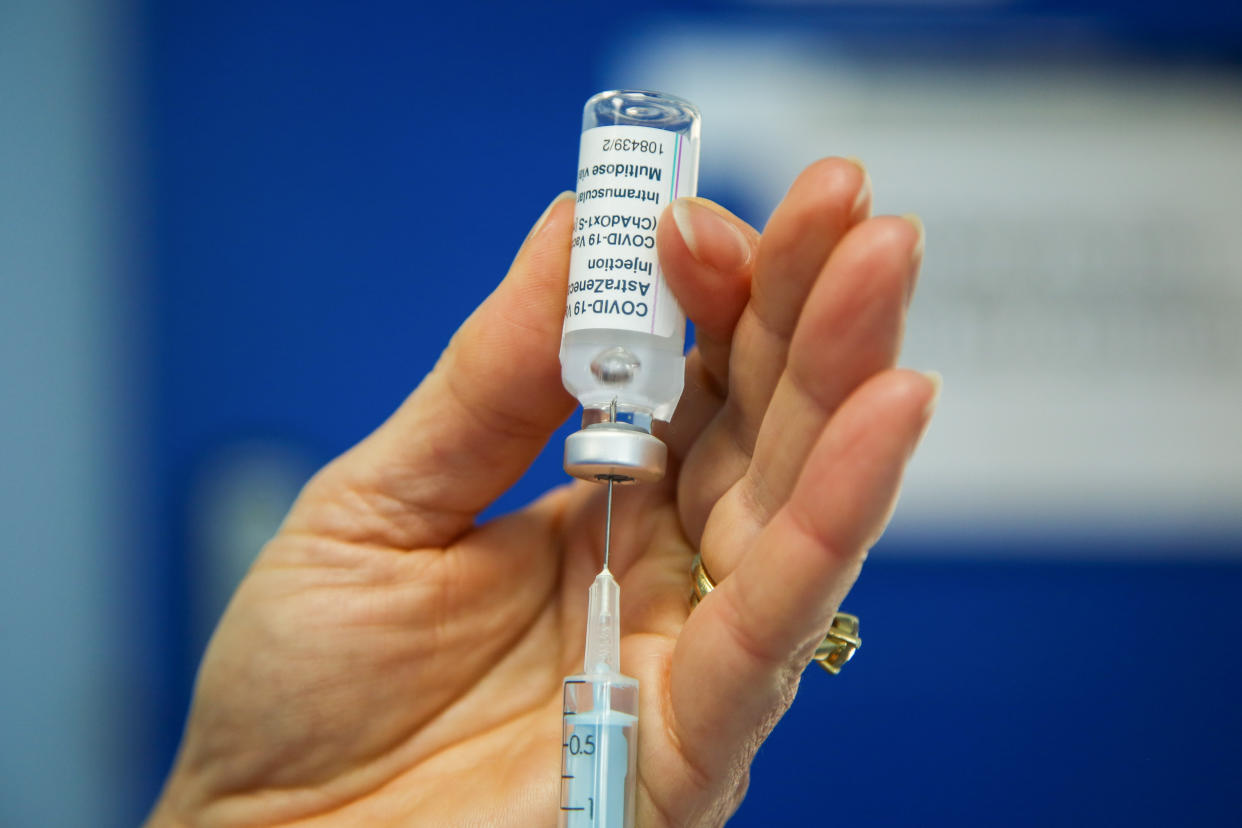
(622, 346)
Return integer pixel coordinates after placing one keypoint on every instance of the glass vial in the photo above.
(623, 342)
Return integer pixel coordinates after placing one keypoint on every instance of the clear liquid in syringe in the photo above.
(598, 755)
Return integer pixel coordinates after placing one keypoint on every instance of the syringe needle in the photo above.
(608, 525)
(612, 418)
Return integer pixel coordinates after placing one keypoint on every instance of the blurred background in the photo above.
(234, 236)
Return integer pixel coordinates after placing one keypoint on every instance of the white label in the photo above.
(627, 175)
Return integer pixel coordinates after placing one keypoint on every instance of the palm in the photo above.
(400, 700)
(384, 661)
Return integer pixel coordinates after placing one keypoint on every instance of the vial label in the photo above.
(627, 175)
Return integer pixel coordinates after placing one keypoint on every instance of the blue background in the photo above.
(325, 190)
(335, 186)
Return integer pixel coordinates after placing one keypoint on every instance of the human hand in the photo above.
(387, 661)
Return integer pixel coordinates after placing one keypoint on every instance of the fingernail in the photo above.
(864, 191)
(568, 194)
(712, 240)
(917, 253)
(937, 381)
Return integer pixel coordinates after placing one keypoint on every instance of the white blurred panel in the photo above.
(1082, 291)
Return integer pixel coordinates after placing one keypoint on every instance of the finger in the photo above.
(737, 662)
(701, 401)
(707, 254)
(826, 200)
(850, 329)
(475, 423)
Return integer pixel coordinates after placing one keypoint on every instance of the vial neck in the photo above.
(627, 415)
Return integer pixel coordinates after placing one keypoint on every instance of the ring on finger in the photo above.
(838, 646)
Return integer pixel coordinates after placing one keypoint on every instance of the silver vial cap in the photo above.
(615, 451)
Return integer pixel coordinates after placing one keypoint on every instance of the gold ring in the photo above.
(838, 646)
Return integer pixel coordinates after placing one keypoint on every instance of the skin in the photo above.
(388, 661)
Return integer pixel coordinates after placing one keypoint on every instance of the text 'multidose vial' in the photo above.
(622, 348)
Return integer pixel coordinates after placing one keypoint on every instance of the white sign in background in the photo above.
(1082, 289)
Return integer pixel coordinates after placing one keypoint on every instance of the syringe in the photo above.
(600, 716)
(623, 357)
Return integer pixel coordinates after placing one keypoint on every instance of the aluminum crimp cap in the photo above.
(615, 451)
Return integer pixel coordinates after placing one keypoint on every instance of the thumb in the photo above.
(475, 423)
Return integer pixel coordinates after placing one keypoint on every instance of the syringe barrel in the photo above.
(599, 752)
(624, 333)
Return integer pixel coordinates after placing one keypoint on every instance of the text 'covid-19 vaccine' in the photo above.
(622, 347)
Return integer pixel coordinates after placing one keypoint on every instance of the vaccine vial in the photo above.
(623, 342)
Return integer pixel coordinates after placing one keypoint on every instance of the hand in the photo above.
(387, 661)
